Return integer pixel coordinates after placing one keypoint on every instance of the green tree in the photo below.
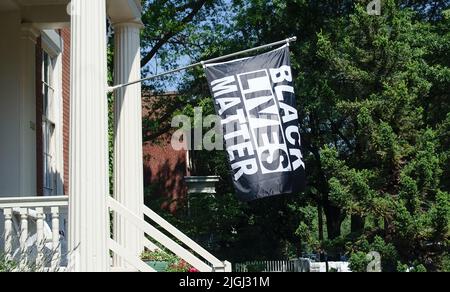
(175, 33)
(387, 163)
(374, 103)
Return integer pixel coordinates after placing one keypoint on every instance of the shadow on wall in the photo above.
(164, 172)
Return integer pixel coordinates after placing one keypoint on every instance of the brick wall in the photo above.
(164, 172)
(65, 34)
(164, 167)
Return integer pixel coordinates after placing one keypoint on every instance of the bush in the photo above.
(180, 267)
(256, 267)
(175, 264)
(362, 247)
(419, 269)
(446, 264)
(359, 262)
(158, 256)
(416, 268)
(6, 265)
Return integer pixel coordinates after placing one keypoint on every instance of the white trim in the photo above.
(51, 42)
(136, 7)
(33, 202)
(59, 127)
(124, 11)
(30, 32)
(27, 110)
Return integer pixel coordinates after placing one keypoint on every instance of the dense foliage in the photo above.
(373, 96)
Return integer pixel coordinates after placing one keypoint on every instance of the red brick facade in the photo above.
(164, 167)
(164, 172)
(65, 34)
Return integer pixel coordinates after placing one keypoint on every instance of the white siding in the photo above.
(9, 104)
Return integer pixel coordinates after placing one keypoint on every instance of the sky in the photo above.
(154, 67)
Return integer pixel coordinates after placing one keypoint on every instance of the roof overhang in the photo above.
(124, 11)
(49, 14)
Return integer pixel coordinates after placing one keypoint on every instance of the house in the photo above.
(172, 175)
(164, 171)
(54, 168)
(164, 167)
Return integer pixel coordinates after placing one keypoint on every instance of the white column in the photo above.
(89, 187)
(28, 111)
(128, 161)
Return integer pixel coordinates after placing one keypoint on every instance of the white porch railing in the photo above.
(33, 232)
(33, 235)
(192, 253)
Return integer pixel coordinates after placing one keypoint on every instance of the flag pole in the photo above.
(203, 63)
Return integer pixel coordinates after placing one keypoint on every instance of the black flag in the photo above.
(255, 100)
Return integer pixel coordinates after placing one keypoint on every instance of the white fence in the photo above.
(340, 267)
(291, 266)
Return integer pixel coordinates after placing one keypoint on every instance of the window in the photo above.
(48, 125)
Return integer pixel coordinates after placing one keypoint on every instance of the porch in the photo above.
(35, 238)
(80, 228)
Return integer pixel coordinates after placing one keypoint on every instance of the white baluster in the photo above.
(40, 238)
(56, 248)
(8, 233)
(23, 229)
(23, 238)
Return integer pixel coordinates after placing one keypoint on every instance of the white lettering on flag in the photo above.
(261, 106)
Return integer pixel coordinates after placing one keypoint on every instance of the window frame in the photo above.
(52, 120)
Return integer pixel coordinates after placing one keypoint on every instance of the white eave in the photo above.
(48, 14)
(124, 10)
